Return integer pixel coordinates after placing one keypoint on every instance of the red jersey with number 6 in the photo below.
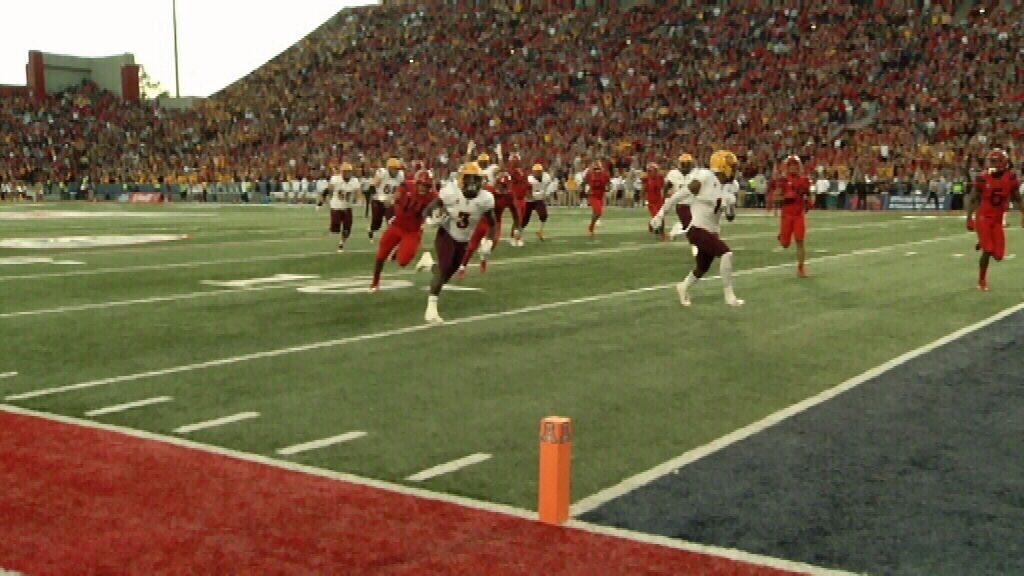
(409, 207)
(996, 190)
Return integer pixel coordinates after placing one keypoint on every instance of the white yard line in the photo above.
(422, 327)
(8, 374)
(322, 443)
(216, 422)
(426, 494)
(449, 467)
(642, 479)
(299, 255)
(171, 266)
(129, 406)
(625, 247)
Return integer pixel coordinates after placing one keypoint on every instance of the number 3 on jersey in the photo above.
(463, 220)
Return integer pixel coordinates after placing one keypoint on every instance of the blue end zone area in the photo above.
(918, 471)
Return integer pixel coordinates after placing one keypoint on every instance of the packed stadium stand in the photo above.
(871, 90)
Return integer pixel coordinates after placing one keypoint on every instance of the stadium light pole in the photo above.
(174, 18)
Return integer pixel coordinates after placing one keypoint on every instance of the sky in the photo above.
(219, 41)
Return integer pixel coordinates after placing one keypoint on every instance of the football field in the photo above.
(250, 333)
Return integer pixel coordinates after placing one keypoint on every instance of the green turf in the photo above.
(644, 379)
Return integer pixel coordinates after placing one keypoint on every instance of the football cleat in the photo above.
(800, 272)
(432, 317)
(677, 230)
(461, 273)
(598, 223)
(374, 287)
(983, 286)
(483, 266)
(732, 300)
(684, 298)
(590, 229)
(540, 235)
(369, 234)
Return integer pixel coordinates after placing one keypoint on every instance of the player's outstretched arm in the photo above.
(970, 205)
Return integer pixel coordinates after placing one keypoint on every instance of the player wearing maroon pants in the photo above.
(993, 190)
(541, 186)
(793, 191)
(654, 188)
(386, 183)
(458, 209)
(406, 228)
(596, 179)
(482, 230)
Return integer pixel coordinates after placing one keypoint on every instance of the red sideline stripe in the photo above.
(79, 500)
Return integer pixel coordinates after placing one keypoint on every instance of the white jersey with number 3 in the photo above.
(708, 205)
(463, 213)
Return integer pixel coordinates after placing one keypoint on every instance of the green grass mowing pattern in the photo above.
(644, 379)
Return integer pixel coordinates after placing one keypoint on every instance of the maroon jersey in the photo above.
(795, 191)
(597, 182)
(995, 192)
(409, 207)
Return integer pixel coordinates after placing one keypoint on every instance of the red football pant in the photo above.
(597, 205)
(655, 206)
(792, 225)
(991, 235)
(408, 243)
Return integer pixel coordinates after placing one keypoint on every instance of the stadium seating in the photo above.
(859, 88)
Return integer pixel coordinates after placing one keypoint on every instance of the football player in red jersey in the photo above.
(519, 185)
(406, 228)
(990, 197)
(654, 187)
(793, 191)
(504, 199)
(597, 179)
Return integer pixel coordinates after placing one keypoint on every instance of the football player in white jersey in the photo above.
(341, 193)
(386, 183)
(542, 185)
(457, 211)
(677, 181)
(712, 194)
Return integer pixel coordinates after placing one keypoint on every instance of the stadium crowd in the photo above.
(869, 90)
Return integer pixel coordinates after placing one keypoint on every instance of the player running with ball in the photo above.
(986, 206)
(458, 209)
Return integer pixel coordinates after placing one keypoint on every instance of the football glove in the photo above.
(485, 247)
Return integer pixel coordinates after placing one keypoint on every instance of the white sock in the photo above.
(431, 304)
(690, 280)
(725, 267)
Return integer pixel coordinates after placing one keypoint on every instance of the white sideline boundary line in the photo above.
(642, 479)
(322, 443)
(449, 467)
(300, 255)
(216, 422)
(8, 374)
(128, 406)
(422, 327)
(625, 247)
(463, 501)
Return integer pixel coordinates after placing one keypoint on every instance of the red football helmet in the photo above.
(423, 177)
(514, 159)
(652, 167)
(998, 160)
(597, 166)
(504, 179)
(792, 164)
